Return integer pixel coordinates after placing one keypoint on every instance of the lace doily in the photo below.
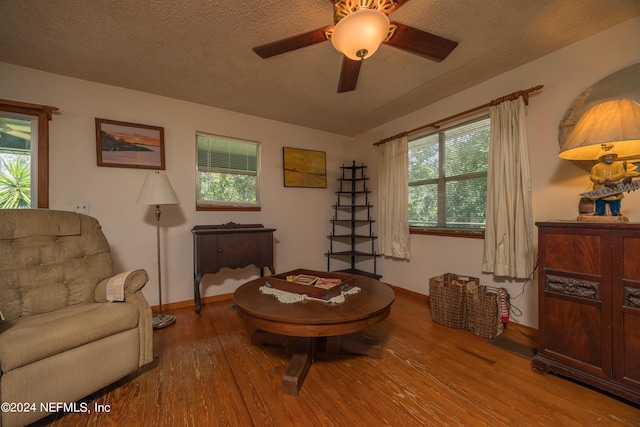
(290, 298)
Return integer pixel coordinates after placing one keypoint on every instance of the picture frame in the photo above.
(129, 145)
(304, 168)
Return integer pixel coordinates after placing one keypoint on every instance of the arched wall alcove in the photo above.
(621, 84)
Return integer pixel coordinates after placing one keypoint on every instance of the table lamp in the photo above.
(609, 134)
(157, 191)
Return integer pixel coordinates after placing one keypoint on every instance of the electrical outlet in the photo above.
(81, 207)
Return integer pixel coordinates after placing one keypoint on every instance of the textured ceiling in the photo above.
(200, 51)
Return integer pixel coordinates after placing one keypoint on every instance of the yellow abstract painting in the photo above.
(304, 168)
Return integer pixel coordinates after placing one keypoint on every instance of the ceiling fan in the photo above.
(360, 27)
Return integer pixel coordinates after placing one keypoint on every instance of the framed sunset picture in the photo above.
(129, 145)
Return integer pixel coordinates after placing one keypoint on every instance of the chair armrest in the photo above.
(132, 295)
(133, 283)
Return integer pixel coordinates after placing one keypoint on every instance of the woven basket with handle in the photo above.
(447, 297)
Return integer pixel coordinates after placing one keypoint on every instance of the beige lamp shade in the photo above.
(359, 34)
(157, 190)
(612, 127)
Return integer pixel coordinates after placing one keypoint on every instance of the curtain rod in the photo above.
(512, 96)
(47, 109)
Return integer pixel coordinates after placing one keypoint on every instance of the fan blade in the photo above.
(292, 43)
(349, 75)
(421, 43)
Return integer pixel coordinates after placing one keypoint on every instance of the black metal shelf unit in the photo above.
(352, 225)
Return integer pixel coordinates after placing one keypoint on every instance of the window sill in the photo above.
(227, 208)
(467, 234)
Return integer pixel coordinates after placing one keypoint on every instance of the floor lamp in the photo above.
(157, 191)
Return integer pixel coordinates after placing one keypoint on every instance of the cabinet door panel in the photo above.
(574, 333)
(630, 257)
(242, 249)
(237, 250)
(631, 344)
(626, 308)
(233, 250)
(562, 250)
(263, 250)
(207, 244)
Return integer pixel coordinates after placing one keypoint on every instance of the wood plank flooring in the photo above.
(207, 373)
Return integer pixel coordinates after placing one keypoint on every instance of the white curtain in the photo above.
(393, 198)
(508, 240)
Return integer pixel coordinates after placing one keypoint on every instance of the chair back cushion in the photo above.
(48, 260)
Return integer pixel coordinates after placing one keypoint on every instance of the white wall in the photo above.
(556, 183)
(300, 215)
(301, 235)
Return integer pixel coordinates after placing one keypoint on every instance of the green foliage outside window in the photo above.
(448, 177)
(15, 183)
(227, 187)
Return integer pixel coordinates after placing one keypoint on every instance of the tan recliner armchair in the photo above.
(61, 340)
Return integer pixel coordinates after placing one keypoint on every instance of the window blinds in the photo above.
(223, 155)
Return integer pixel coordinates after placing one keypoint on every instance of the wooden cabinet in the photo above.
(229, 245)
(589, 304)
(352, 238)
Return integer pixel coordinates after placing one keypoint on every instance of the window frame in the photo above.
(44, 115)
(223, 205)
(32, 122)
(441, 180)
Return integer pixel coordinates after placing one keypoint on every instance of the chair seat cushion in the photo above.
(28, 339)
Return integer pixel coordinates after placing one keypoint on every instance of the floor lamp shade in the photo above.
(157, 191)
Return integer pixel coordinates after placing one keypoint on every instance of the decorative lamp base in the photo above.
(162, 321)
(603, 218)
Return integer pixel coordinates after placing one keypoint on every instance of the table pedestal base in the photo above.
(304, 350)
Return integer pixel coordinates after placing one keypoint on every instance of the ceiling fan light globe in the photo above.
(362, 30)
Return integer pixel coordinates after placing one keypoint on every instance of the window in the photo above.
(12, 114)
(448, 178)
(227, 173)
(18, 161)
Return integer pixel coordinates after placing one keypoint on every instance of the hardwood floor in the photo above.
(207, 373)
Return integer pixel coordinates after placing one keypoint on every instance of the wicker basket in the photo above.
(483, 311)
(447, 297)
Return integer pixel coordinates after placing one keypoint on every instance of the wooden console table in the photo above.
(229, 245)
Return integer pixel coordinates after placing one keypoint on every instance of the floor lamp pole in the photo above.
(161, 320)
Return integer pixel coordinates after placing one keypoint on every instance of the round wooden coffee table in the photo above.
(299, 325)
